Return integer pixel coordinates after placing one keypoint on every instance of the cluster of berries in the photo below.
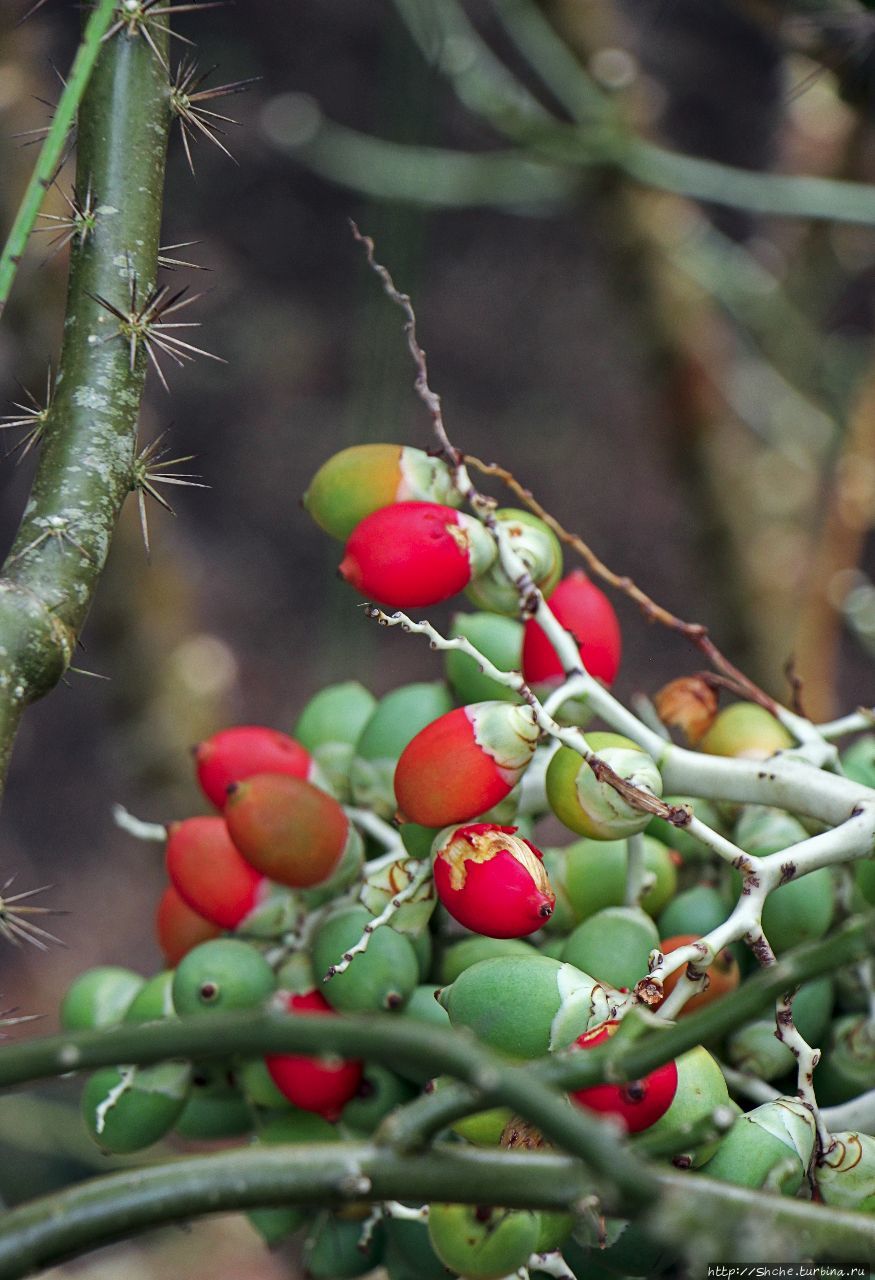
(383, 859)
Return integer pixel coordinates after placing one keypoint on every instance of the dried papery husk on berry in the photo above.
(845, 1173)
(292, 1127)
(526, 1006)
(129, 1108)
(382, 885)
(329, 727)
(209, 872)
(99, 997)
(323, 1085)
(415, 554)
(398, 717)
(771, 1146)
(222, 975)
(595, 808)
(638, 1104)
(594, 875)
(800, 910)
(613, 945)
(382, 977)
(365, 477)
(500, 640)
(216, 1107)
(583, 609)
(754, 1047)
(480, 1242)
(688, 704)
(332, 1249)
(179, 928)
(464, 762)
(847, 1067)
(746, 730)
(723, 973)
(233, 754)
(540, 551)
(491, 881)
(700, 1090)
(287, 829)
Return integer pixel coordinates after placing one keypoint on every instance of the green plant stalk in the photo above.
(53, 146)
(89, 434)
(70, 1222)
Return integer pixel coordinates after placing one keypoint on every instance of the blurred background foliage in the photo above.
(687, 382)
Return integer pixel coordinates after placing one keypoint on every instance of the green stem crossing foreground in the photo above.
(52, 150)
(89, 432)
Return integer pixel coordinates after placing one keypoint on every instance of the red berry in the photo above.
(585, 611)
(179, 929)
(415, 553)
(311, 1083)
(493, 882)
(287, 829)
(237, 753)
(638, 1104)
(209, 872)
(464, 762)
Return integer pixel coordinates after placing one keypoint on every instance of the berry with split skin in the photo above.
(637, 1104)
(287, 829)
(583, 609)
(483, 1243)
(491, 881)
(128, 1108)
(239, 752)
(179, 928)
(464, 762)
(319, 1085)
(209, 872)
(360, 480)
(415, 554)
(769, 1146)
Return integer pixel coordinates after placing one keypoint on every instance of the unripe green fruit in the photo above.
(846, 1175)
(746, 730)
(761, 830)
(613, 946)
(701, 1088)
(537, 546)
(553, 947)
(332, 1252)
(858, 760)
(688, 846)
(697, 910)
(594, 876)
(410, 1242)
(380, 1092)
(593, 808)
(215, 1108)
(383, 977)
(461, 955)
(128, 1108)
(154, 1000)
(99, 997)
(329, 727)
(398, 717)
(771, 1147)
(423, 1007)
(525, 1006)
(498, 639)
(847, 1067)
(482, 1243)
(864, 876)
(223, 974)
(258, 1088)
(484, 1128)
(555, 1230)
(564, 917)
(293, 1126)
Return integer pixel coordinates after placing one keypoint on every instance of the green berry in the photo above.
(223, 974)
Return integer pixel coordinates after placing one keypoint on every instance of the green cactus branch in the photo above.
(89, 433)
(52, 149)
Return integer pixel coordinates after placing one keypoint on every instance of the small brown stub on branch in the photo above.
(688, 704)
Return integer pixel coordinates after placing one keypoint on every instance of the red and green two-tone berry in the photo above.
(287, 829)
(237, 753)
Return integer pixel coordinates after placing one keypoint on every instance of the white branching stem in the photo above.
(638, 879)
(154, 832)
(380, 830)
(404, 895)
(750, 1086)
